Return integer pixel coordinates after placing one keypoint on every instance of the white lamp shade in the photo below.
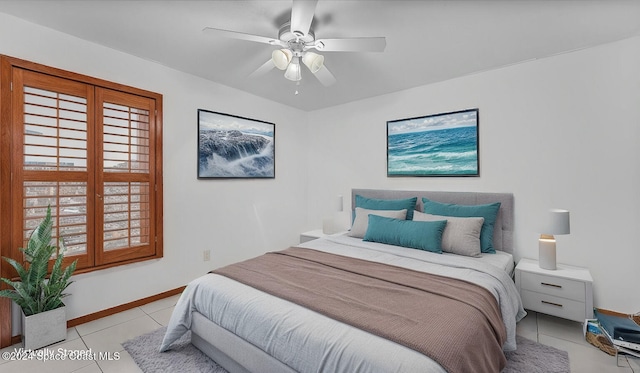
(313, 61)
(558, 222)
(281, 58)
(293, 70)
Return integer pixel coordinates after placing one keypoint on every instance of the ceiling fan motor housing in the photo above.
(295, 39)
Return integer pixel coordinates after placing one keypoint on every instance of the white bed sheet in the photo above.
(500, 259)
(310, 342)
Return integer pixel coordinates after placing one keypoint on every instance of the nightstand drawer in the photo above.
(555, 306)
(555, 286)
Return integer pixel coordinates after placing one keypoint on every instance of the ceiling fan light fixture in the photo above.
(293, 70)
(313, 61)
(295, 40)
(281, 58)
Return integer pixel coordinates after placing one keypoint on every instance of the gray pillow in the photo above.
(361, 222)
(461, 235)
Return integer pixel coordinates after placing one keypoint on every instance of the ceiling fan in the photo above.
(295, 43)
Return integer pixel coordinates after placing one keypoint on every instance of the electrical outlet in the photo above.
(206, 255)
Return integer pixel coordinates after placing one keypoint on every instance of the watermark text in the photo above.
(47, 354)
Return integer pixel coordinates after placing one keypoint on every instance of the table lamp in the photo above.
(331, 225)
(557, 223)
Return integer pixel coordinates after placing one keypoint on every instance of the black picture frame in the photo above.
(234, 147)
(445, 144)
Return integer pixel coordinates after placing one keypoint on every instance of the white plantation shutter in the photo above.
(52, 134)
(89, 153)
(89, 148)
(125, 183)
(55, 139)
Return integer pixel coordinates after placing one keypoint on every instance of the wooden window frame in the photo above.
(9, 240)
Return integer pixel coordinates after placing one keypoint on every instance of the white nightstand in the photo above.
(566, 292)
(311, 235)
(317, 233)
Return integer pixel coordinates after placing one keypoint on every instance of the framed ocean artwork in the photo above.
(234, 147)
(434, 145)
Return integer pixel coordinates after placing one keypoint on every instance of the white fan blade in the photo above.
(352, 45)
(325, 77)
(242, 36)
(302, 15)
(265, 68)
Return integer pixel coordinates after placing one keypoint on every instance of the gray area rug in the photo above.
(530, 357)
(184, 357)
(533, 357)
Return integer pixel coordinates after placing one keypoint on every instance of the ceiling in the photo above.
(427, 41)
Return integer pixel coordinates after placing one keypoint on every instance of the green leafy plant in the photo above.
(34, 293)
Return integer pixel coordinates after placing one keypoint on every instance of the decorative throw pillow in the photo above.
(422, 235)
(488, 212)
(361, 221)
(388, 204)
(461, 235)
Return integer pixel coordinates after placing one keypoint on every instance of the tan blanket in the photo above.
(454, 322)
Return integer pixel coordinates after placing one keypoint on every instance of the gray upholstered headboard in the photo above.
(503, 230)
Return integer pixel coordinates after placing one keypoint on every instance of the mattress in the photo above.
(310, 342)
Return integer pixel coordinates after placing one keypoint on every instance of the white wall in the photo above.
(559, 132)
(235, 219)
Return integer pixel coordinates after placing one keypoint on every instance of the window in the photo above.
(125, 187)
(91, 150)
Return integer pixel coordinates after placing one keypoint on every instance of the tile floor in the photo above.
(567, 335)
(107, 333)
(104, 334)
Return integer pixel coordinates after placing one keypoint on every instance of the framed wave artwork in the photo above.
(434, 145)
(234, 147)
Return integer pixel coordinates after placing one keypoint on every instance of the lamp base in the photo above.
(330, 226)
(339, 223)
(547, 252)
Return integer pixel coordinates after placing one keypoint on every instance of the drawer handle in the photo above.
(551, 303)
(552, 285)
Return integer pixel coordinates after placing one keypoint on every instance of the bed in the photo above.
(245, 329)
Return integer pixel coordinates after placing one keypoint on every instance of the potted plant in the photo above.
(44, 319)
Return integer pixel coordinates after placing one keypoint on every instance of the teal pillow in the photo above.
(488, 212)
(388, 204)
(422, 235)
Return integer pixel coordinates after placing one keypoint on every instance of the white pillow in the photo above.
(361, 222)
(461, 235)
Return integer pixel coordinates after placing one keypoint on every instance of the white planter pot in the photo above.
(43, 329)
